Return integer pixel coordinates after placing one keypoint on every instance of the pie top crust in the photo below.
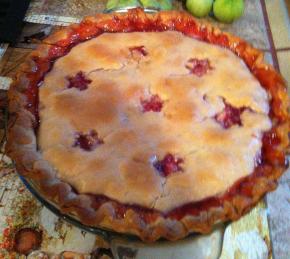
(133, 140)
(159, 132)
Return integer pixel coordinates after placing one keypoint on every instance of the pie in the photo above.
(157, 125)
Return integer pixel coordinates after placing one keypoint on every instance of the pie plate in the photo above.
(199, 246)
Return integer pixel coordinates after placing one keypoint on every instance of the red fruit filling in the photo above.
(78, 81)
(88, 141)
(139, 49)
(199, 67)
(229, 116)
(168, 165)
(153, 104)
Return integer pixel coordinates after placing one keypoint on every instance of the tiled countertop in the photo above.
(266, 25)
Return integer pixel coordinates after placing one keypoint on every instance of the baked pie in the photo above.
(157, 125)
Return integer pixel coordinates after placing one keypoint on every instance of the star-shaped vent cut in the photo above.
(89, 141)
(198, 67)
(229, 116)
(154, 104)
(141, 50)
(78, 81)
(168, 165)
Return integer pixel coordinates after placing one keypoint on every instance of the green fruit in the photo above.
(199, 8)
(112, 4)
(150, 3)
(128, 3)
(158, 4)
(228, 10)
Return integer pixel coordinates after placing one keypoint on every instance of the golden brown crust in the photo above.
(148, 224)
(137, 138)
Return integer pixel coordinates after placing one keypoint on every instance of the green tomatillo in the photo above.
(228, 11)
(199, 8)
(158, 4)
(112, 4)
(150, 3)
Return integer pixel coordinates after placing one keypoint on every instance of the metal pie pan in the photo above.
(106, 234)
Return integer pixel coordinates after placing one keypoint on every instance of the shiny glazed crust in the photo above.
(101, 211)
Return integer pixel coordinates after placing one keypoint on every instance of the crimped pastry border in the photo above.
(149, 225)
